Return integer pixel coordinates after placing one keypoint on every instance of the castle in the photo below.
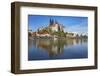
(53, 29)
(55, 26)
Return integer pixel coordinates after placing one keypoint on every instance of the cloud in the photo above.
(79, 28)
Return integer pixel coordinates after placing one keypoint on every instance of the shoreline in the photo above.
(57, 38)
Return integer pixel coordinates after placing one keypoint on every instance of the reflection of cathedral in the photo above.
(54, 47)
(51, 46)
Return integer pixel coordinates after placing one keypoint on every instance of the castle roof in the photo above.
(53, 22)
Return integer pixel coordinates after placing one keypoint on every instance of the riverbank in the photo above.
(38, 37)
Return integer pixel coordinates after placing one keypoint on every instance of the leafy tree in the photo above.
(29, 34)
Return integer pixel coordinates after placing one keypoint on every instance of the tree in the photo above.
(29, 34)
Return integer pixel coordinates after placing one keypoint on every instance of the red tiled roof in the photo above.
(43, 32)
(33, 33)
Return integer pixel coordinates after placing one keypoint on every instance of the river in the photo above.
(49, 49)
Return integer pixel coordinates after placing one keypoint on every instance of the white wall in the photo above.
(5, 42)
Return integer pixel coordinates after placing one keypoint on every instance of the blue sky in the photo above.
(71, 23)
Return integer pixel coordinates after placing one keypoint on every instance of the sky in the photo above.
(73, 24)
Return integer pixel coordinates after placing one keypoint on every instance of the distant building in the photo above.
(70, 35)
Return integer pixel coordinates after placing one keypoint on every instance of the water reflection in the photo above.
(41, 49)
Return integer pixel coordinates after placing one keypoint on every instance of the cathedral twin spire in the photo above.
(52, 22)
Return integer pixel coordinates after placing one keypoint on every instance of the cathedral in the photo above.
(55, 26)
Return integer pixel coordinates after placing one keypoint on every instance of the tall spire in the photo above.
(51, 22)
(56, 22)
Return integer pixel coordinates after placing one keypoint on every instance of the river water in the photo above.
(48, 49)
